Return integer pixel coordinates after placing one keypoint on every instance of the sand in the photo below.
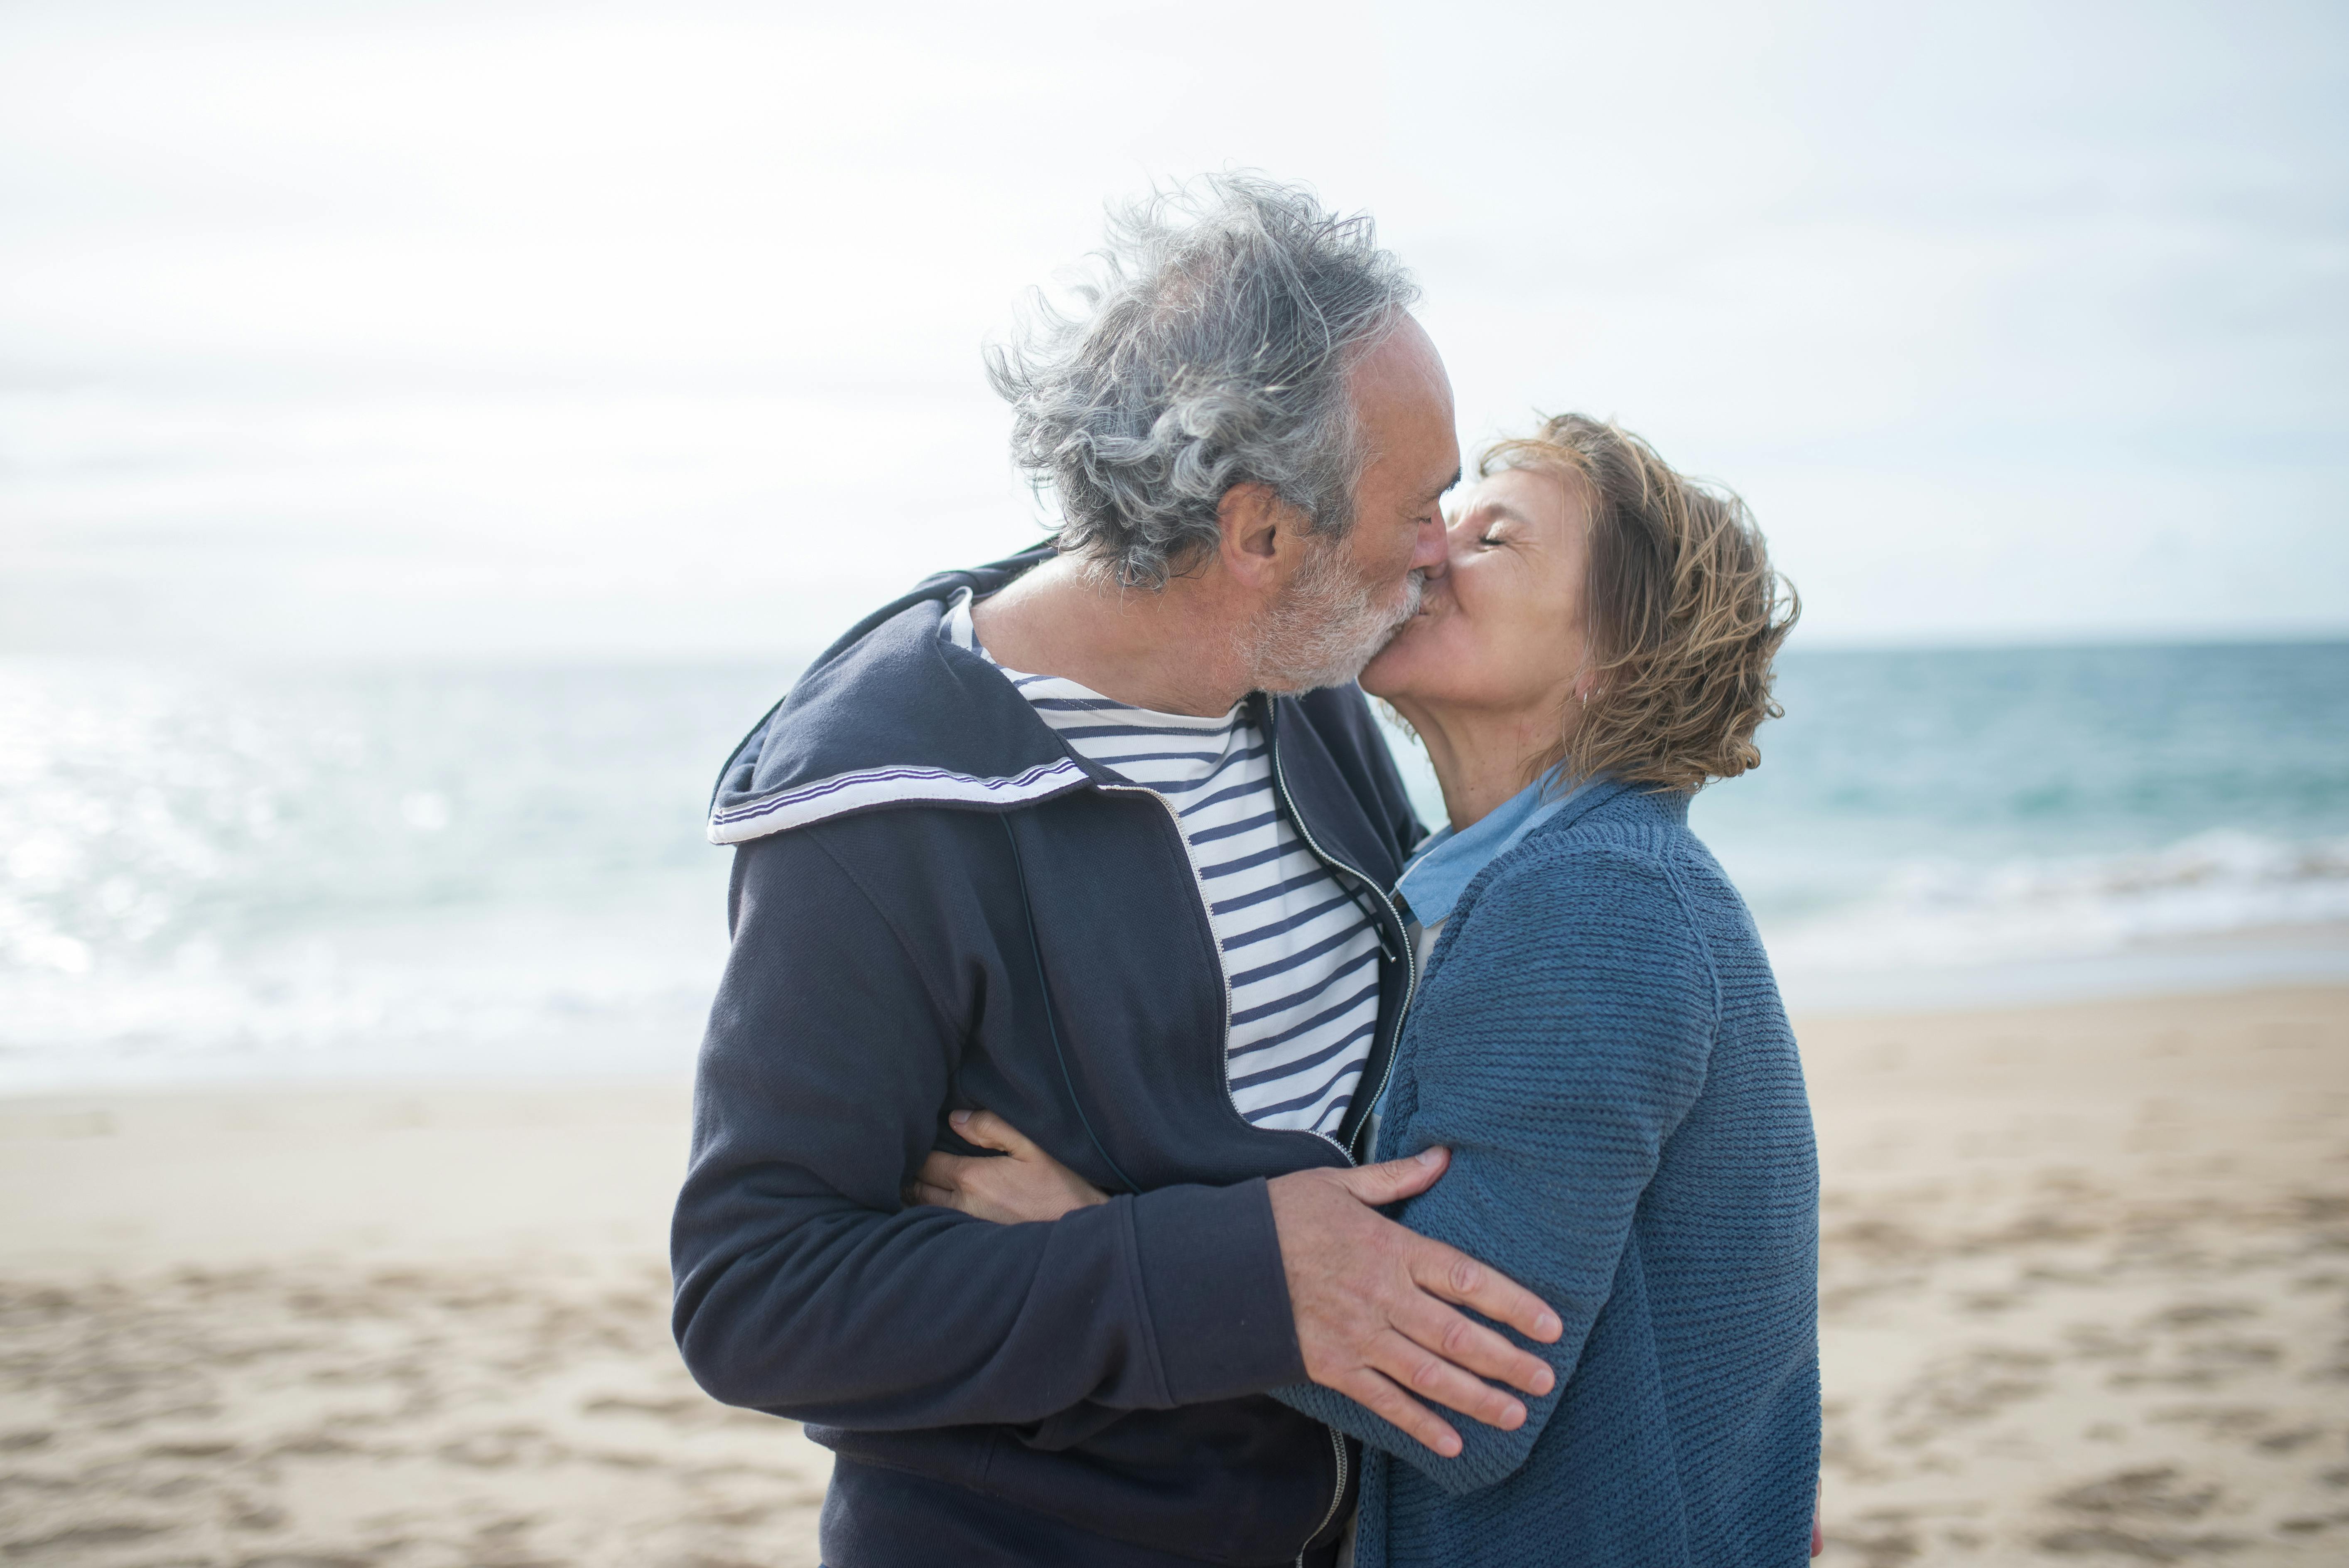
(336, 1328)
(2085, 1283)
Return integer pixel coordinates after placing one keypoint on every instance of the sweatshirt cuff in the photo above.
(1218, 1297)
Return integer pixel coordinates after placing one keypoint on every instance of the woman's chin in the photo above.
(1388, 675)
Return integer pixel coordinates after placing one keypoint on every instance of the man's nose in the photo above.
(1457, 537)
(1432, 551)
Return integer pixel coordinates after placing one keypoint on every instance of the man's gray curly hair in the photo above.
(1210, 350)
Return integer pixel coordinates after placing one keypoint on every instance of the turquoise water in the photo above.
(2000, 758)
(214, 871)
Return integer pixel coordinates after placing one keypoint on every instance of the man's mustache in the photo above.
(1415, 590)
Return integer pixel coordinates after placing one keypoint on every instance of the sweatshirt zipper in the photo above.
(1337, 1442)
(1410, 986)
(1337, 1448)
(1410, 961)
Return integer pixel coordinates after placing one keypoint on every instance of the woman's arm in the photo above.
(1555, 1051)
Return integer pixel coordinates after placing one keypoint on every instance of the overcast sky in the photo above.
(461, 328)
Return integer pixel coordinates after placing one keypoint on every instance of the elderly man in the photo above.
(1099, 838)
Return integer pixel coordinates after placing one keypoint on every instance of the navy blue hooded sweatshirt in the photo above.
(936, 905)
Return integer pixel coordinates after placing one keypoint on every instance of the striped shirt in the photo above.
(1301, 956)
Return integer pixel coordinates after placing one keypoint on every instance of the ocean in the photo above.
(211, 871)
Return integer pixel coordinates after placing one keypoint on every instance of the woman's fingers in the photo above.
(1021, 1184)
(989, 1130)
(943, 1169)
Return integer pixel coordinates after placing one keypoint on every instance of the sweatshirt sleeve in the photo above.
(1554, 1052)
(804, 1287)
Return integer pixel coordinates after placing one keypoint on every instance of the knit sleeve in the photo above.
(1554, 1052)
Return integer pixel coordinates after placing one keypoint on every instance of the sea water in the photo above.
(1989, 824)
(210, 872)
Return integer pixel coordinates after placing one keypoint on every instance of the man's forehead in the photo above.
(1403, 366)
(1419, 460)
(1404, 398)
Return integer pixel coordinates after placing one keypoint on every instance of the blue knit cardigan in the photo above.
(1600, 1044)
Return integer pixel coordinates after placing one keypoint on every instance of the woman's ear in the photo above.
(1589, 682)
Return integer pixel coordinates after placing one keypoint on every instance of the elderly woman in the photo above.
(1596, 1039)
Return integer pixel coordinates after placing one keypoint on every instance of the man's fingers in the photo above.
(918, 1192)
(989, 1130)
(1393, 1181)
(1456, 1276)
(1424, 1374)
(1440, 1331)
(1378, 1393)
(1370, 1303)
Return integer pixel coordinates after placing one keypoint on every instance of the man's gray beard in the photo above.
(1327, 626)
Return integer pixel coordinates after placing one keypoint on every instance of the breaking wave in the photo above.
(1932, 912)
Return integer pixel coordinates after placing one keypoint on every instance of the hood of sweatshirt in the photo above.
(894, 715)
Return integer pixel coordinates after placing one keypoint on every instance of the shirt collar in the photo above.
(1440, 871)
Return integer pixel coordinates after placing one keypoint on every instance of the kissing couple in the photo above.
(1125, 1135)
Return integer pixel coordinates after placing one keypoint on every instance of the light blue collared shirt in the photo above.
(1440, 870)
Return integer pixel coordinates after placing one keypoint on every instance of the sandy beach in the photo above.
(2086, 1298)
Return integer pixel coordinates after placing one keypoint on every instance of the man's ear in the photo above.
(1251, 518)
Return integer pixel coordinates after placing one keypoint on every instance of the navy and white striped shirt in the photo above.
(1301, 957)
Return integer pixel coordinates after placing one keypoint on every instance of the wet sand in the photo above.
(2086, 1299)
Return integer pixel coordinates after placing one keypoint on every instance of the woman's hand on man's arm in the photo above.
(1019, 1185)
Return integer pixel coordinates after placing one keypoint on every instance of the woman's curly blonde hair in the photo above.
(1685, 615)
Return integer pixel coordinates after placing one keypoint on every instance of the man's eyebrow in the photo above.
(1438, 493)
